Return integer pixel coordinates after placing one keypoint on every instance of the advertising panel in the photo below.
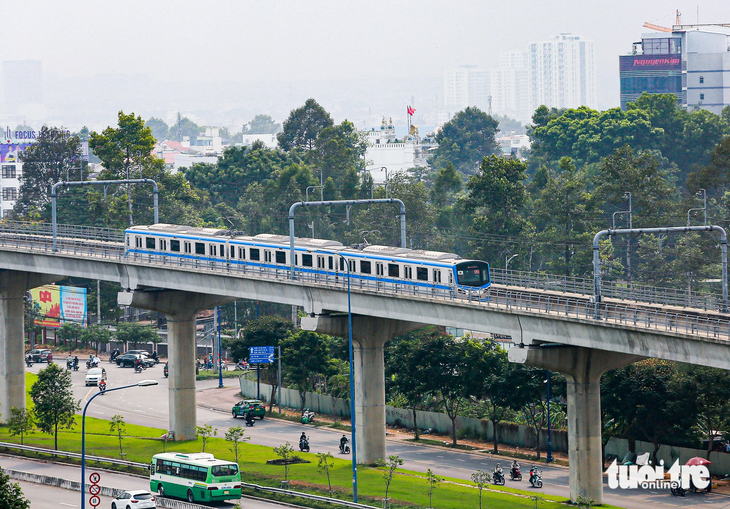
(55, 305)
(651, 62)
(9, 152)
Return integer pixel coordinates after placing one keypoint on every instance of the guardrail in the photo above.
(570, 307)
(75, 455)
(309, 496)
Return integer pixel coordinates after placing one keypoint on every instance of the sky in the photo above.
(221, 62)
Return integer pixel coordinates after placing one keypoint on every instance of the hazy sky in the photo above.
(295, 45)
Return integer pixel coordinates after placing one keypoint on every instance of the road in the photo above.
(149, 406)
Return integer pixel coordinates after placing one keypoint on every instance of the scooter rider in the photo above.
(102, 386)
(343, 443)
(76, 363)
(138, 364)
(303, 439)
(69, 362)
(515, 467)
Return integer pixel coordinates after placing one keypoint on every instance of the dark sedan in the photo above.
(127, 360)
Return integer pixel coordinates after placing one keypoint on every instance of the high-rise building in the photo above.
(23, 83)
(467, 86)
(501, 91)
(562, 73)
(691, 62)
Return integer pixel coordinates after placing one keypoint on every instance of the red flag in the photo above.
(411, 111)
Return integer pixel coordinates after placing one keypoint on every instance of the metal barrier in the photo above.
(639, 315)
(76, 455)
(309, 496)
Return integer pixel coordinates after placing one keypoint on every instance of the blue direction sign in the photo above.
(261, 354)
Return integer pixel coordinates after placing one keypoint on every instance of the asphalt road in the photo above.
(149, 406)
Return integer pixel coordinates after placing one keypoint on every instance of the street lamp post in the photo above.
(352, 384)
(549, 447)
(143, 383)
(507, 260)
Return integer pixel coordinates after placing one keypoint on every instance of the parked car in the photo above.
(135, 499)
(95, 375)
(40, 355)
(241, 408)
(127, 360)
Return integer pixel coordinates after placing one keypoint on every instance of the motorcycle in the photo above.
(677, 490)
(535, 477)
(249, 419)
(76, 365)
(29, 361)
(344, 449)
(165, 370)
(69, 364)
(515, 474)
(498, 476)
(307, 417)
(138, 368)
(304, 445)
(92, 364)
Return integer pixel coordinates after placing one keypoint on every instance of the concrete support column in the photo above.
(369, 337)
(13, 286)
(582, 368)
(180, 308)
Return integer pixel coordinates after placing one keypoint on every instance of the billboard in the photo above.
(650, 62)
(9, 152)
(55, 305)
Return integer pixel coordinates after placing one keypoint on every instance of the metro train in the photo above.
(318, 258)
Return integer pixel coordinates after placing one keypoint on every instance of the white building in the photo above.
(467, 86)
(13, 144)
(267, 139)
(209, 143)
(562, 73)
(386, 150)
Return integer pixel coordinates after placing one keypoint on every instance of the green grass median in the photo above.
(408, 488)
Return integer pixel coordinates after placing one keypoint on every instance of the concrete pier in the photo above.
(13, 286)
(582, 368)
(180, 308)
(369, 335)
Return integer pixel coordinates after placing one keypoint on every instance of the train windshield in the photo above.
(472, 273)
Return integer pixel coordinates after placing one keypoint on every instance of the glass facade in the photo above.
(653, 73)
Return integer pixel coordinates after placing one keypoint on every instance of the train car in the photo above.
(320, 260)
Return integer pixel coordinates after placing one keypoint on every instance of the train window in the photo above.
(175, 246)
(378, 269)
(254, 254)
(365, 267)
(436, 276)
(199, 248)
(213, 249)
(150, 242)
(222, 250)
(331, 263)
(393, 270)
(188, 247)
(241, 253)
(138, 242)
(163, 245)
(451, 278)
(281, 257)
(422, 273)
(127, 239)
(233, 252)
(320, 262)
(342, 264)
(352, 265)
(306, 260)
(408, 272)
(267, 256)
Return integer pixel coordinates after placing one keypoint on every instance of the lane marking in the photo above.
(70, 505)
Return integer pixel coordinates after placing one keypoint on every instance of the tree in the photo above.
(393, 463)
(433, 481)
(46, 162)
(325, 465)
(494, 386)
(120, 149)
(481, 479)
(158, 127)
(448, 182)
(339, 148)
(496, 197)
(21, 422)
(53, 399)
(97, 334)
(303, 355)
(302, 127)
(261, 124)
(235, 435)
(286, 453)
(205, 432)
(136, 333)
(11, 495)
(118, 425)
(466, 139)
(183, 127)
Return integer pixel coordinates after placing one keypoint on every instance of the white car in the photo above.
(95, 375)
(135, 499)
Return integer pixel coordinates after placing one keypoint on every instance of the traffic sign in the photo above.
(94, 489)
(94, 501)
(261, 354)
(94, 477)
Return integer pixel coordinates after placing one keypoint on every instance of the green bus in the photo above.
(197, 477)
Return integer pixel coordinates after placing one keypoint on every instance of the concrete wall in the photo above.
(512, 434)
(720, 460)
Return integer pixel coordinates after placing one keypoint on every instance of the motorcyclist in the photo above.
(138, 364)
(102, 386)
(249, 417)
(76, 363)
(115, 354)
(29, 360)
(343, 442)
(50, 358)
(515, 467)
(166, 370)
(69, 361)
(154, 356)
(303, 440)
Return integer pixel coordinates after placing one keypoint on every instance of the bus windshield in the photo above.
(224, 470)
(472, 273)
